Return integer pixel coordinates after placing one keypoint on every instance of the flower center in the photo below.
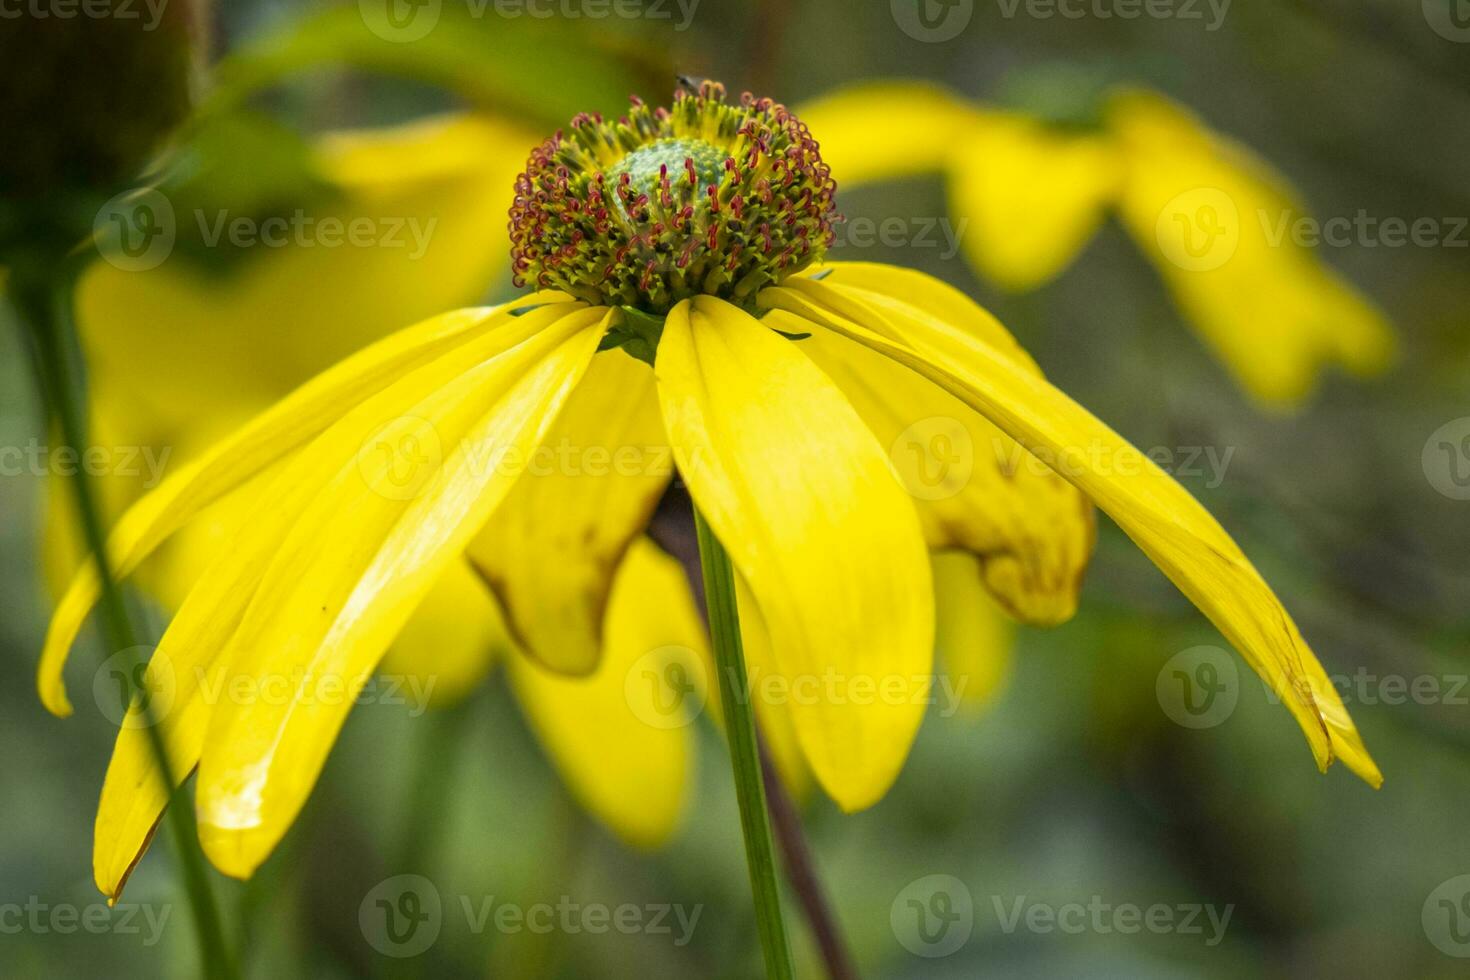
(665, 204)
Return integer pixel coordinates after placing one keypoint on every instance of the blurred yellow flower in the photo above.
(788, 393)
(1206, 212)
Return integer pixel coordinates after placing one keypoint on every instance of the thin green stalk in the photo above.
(760, 858)
(45, 301)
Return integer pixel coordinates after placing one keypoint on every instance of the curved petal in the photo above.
(1032, 196)
(404, 488)
(1161, 517)
(622, 737)
(551, 549)
(887, 129)
(1217, 223)
(191, 659)
(972, 486)
(772, 711)
(974, 638)
(270, 436)
(803, 498)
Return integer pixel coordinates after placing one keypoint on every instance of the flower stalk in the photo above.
(760, 858)
(44, 302)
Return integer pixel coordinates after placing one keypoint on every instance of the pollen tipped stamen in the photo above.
(666, 203)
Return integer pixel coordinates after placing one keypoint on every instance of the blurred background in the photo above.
(1081, 789)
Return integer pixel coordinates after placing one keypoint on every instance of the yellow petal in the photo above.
(887, 129)
(1217, 223)
(269, 437)
(974, 487)
(449, 644)
(623, 736)
(802, 496)
(772, 705)
(186, 673)
(974, 638)
(1161, 517)
(1031, 196)
(408, 483)
(551, 549)
(191, 659)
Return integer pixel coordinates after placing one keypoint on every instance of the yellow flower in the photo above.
(692, 239)
(1212, 218)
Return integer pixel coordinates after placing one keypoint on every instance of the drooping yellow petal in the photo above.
(974, 638)
(1161, 517)
(1031, 196)
(1219, 225)
(623, 736)
(269, 437)
(185, 673)
(802, 496)
(192, 656)
(887, 129)
(772, 702)
(974, 487)
(551, 549)
(403, 496)
(449, 644)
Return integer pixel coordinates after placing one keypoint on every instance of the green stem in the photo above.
(45, 300)
(724, 627)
